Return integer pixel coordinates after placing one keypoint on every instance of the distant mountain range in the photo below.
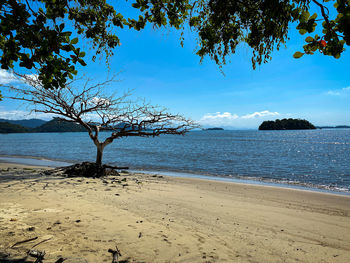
(55, 125)
(36, 125)
(31, 123)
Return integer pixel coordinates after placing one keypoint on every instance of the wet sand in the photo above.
(167, 219)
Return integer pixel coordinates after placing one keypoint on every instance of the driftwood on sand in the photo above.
(115, 254)
(24, 241)
(38, 255)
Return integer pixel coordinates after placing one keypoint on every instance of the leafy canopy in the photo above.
(44, 34)
(223, 24)
(34, 34)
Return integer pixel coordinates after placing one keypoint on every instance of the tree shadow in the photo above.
(20, 176)
(14, 260)
(129, 260)
(4, 258)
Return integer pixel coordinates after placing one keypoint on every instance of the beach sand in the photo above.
(167, 219)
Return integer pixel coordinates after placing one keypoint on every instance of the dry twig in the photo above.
(24, 241)
(115, 253)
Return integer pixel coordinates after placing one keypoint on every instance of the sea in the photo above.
(312, 159)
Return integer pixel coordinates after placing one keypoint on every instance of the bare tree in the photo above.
(90, 107)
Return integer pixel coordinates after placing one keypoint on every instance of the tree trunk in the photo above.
(99, 155)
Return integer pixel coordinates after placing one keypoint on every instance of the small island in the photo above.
(334, 127)
(214, 129)
(287, 124)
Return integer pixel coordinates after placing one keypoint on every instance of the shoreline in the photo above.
(44, 162)
(154, 218)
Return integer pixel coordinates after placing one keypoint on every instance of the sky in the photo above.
(153, 64)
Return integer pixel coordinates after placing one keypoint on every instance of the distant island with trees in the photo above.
(214, 129)
(287, 124)
(334, 127)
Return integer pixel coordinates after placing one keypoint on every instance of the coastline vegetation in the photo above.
(6, 127)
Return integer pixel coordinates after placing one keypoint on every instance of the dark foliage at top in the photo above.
(287, 124)
(43, 35)
(38, 35)
(221, 25)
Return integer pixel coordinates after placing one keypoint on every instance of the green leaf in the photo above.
(82, 62)
(74, 41)
(298, 54)
(304, 16)
(309, 39)
(314, 16)
(302, 31)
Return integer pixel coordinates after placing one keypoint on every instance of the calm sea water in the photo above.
(316, 158)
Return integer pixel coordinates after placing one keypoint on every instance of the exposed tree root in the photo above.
(86, 169)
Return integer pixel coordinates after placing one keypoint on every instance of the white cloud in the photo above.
(219, 115)
(31, 79)
(260, 114)
(23, 115)
(333, 93)
(234, 120)
(20, 115)
(7, 77)
(338, 92)
(97, 100)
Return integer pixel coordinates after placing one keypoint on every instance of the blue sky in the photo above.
(154, 65)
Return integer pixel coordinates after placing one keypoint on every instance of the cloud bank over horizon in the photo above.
(227, 119)
(24, 115)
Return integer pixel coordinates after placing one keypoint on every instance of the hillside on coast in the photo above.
(30, 126)
(29, 123)
(6, 127)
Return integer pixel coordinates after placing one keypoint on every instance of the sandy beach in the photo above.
(167, 219)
